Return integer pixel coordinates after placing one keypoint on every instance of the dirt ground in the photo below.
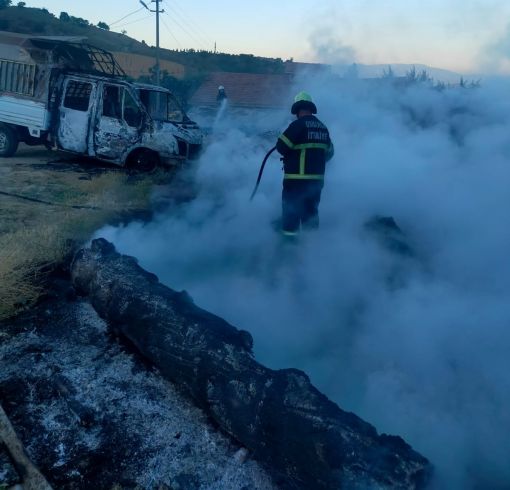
(37, 181)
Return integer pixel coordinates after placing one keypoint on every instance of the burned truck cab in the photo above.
(124, 123)
(169, 121)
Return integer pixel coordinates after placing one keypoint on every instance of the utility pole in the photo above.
(157, 41)
(157, 11)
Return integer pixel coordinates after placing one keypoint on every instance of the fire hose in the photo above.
(261, 171)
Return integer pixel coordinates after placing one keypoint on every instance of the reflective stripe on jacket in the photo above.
(306, 147)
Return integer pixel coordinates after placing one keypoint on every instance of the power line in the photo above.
(126, 16)
(133, 21)
(171, 33)
(192, 36)
(183, 13)
(197, 30)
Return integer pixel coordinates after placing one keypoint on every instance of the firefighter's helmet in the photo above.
(303, 101)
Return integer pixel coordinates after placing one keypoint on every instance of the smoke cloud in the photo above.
(495, 56)
(327, 47)
(419, 346)
(324, 42)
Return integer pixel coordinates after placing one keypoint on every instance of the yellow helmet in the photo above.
(303, 96)
(303, 100)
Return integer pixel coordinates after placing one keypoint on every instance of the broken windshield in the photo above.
(161, 106)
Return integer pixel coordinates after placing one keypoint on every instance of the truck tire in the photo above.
(143, 161)
(8, 141)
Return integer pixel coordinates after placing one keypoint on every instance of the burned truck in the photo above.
(64, 93)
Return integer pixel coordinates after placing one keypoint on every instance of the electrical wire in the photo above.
(133, 21)
(125, 17)
(183, 13)
(189, 20)
(170, 32)
(192, 37)
(203, 36)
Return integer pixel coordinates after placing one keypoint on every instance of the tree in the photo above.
(5, 3)
(103, 25)
(411, 75)
(64, 17)
(424, 77)
(79, 21)
(440, 86)
(388, 73)
(182, 89)
(21, 4)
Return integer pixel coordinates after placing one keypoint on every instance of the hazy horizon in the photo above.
(465, 37)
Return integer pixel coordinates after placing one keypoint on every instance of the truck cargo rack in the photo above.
(17, 78)
(102, 61)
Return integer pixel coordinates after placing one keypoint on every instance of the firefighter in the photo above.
(221, 95)
(306, 147)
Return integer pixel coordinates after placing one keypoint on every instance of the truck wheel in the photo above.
(144, 161)
(8, 141)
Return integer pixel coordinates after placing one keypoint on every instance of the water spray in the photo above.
(221, 112)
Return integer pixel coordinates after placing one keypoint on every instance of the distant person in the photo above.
(222, 95)
(306, 147)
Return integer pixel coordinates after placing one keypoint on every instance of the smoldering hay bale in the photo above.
(287, 424)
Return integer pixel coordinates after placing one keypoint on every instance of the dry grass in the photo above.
(24, 255)
(34, 237)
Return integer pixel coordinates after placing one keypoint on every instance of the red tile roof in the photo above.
(249, 90)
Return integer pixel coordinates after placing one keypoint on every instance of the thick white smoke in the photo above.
(417, 346)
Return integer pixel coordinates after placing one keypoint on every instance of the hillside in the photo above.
(39, 21)
(139, 65)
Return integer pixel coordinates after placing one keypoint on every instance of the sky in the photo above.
(467, 36)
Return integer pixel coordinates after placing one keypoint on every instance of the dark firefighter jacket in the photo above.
(306, 147)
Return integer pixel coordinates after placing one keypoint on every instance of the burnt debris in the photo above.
(92, 415)
(306, 440)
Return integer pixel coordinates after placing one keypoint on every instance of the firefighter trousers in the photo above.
(300, 204)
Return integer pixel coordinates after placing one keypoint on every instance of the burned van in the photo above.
(64, 93)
